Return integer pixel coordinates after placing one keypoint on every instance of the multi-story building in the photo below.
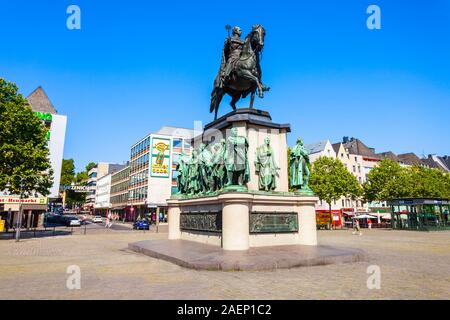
(120, 181)
(437, 162)
(358, 159)
(153, 175)
(56, 123)
(99, 171)
(102, 195)
(320, 149)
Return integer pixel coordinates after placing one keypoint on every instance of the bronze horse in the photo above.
(245, 79)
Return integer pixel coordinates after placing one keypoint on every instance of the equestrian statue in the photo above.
(240, 70)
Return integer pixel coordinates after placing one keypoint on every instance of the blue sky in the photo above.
(137, 65)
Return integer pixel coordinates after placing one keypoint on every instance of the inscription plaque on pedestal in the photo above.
(205, 221)
(273, 222)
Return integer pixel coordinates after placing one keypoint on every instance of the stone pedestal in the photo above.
(236, 220)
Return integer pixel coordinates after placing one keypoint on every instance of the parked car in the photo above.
(97, 219)
(72, 221)
(54, 220)
(141, 225)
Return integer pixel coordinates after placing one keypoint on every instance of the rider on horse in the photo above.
(230, 54)
(240, 71)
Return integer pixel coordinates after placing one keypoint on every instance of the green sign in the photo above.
(47, 117)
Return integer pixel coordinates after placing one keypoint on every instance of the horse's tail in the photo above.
(216, 97)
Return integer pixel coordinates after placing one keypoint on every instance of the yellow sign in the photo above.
(160, 158)
(2, 225)
(17, 200)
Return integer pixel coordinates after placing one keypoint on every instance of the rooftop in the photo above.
(40, 102)
(316, 147)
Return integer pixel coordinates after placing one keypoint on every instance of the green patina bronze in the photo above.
(205, 169)
(273, 222)
(211, 169)
(218, 165)
(266, 167)
(194, 177)
(183, 173)
(240, 70)
(300, 172)
(236, 161)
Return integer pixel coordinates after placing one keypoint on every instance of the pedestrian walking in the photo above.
(356, 228)
(369, 224)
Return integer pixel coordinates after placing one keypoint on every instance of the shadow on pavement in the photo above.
(30, 234)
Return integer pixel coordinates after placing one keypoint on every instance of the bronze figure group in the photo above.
(212, 168)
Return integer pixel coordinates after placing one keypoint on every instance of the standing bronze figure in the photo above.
(240, 71)
(266, 166)
(300, 172)
(236, 160)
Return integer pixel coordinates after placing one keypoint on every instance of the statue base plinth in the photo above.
(305, 192)
(235, 188)
(239, 220)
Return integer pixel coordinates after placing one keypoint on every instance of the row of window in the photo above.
(121, 175)
(123, 186)
(143, 145)
(346, 203)
(139, 178)
(138, 194)
(120, 198)
(139, 162)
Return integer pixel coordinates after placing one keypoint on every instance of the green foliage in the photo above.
(386, 181)
(428, 183)
(391, 181)
(330, 180)
(23, 145)
(68, 177)
(90, 165)
(81, 178)
(67, 172)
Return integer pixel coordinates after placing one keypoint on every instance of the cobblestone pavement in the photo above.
(414, 265)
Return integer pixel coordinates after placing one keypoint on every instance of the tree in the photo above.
(24, 154)
(428, 183)
(391, 181)
(67, 172)
(330, 180)
(387, 181)
(81, 177)
(89, 166)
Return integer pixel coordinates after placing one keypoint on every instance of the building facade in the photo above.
(102, 195)
(56, 123)
(120, 181)
(153, 175)
(100, 170)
